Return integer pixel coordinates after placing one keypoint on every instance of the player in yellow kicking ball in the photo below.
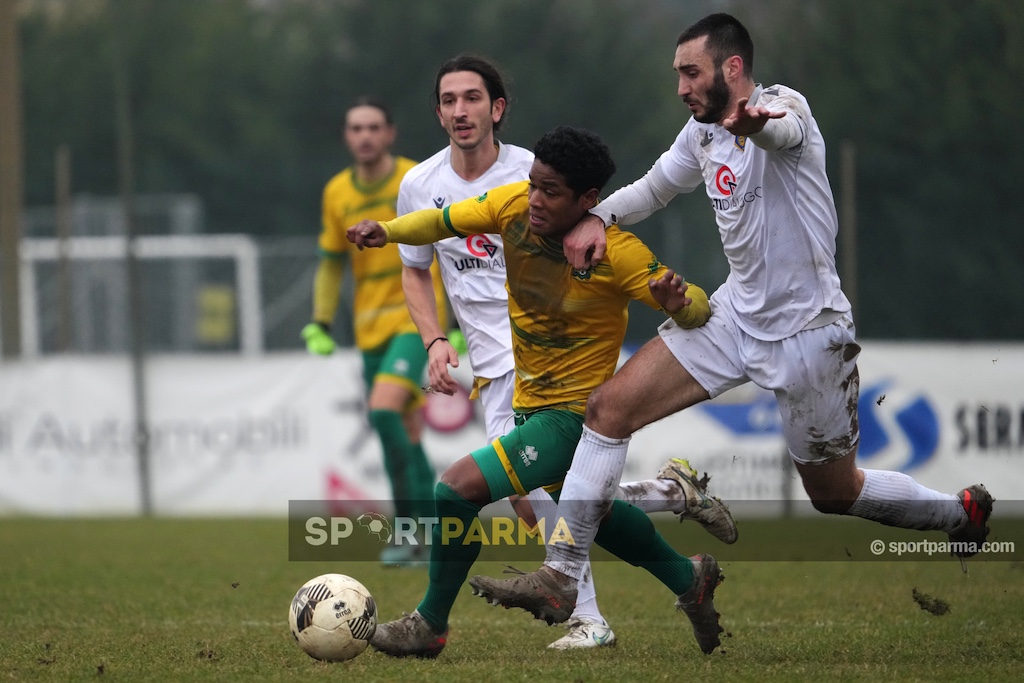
(393, 356)
(567, 327)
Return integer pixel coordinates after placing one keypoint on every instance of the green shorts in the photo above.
(401, 361)
(536, 453)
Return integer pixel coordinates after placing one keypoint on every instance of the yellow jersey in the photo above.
(567, 325)
(379, 307)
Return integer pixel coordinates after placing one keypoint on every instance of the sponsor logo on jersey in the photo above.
(736, 202)
(725, 180)
(439, 202)
(528, 455)
(707, 139)
(481, 246)
(484, 254)
(481, 198)
(477, 263)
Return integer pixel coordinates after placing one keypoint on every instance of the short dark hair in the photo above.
(580, 156)
(726, 37)
(370, 101)
(483, 67)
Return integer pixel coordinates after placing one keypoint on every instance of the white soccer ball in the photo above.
(333, 617)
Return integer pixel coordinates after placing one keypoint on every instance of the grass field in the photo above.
(207, 600)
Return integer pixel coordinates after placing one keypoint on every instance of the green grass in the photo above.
(197, 600)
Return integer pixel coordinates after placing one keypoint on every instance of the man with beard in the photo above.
(780, 320)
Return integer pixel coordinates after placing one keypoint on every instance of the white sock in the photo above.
(653, 495)
(587, 494)
(894, 499)
(544, 508)
(586, 597)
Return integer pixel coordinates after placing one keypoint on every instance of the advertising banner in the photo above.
(233, 435)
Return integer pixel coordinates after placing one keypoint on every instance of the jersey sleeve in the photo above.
(489, 212)
(633, 264)
(413, 255)
(419, 256)
(332, 242)
(790, 130)
(675, 172)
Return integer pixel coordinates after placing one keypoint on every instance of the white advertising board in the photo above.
(240, 435)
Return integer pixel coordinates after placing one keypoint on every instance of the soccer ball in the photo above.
(333, 617)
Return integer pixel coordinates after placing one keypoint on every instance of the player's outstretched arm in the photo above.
(746, 120)
(367, 234)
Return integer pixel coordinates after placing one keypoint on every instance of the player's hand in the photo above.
(669, 290)
(439, 357)
(367, 234)
(746, 120)
(318, 339)
(584, 245)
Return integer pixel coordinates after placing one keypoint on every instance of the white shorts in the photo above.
(813, 375)
(496, 400)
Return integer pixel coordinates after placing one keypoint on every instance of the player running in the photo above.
(393, 357)
(567, 328)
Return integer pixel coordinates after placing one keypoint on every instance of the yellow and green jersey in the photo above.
(379, 305)
(567, 325)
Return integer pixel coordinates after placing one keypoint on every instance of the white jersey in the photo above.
(775, 212)
(473, 269)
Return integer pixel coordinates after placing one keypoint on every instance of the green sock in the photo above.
(630, 535)
(398, 453)
(422, 478)
(449, 561)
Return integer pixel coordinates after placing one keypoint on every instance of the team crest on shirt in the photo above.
(653, 266)
(582, 274)
(740, 141)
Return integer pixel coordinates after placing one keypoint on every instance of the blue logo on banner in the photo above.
(760, 417)
(915, 418)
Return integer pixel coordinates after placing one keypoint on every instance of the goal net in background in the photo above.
(201, 292)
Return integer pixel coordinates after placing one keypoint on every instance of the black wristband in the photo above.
(435, 341)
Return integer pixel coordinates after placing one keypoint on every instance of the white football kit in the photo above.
(473, 271)
(777, 221)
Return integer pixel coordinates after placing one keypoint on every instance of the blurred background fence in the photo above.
(161, 166)
(202, 292)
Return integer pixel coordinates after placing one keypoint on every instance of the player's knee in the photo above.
(605, 415)
(465, 478)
